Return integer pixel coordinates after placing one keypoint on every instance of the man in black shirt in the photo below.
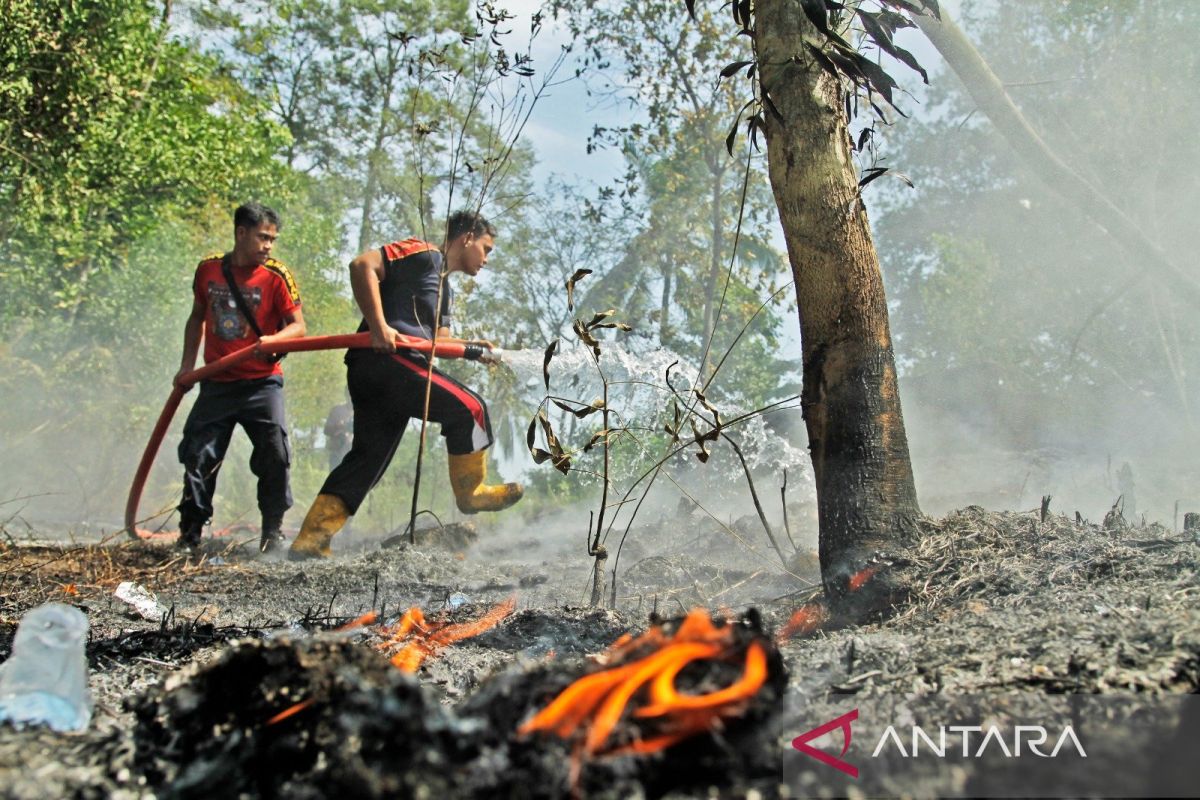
(400, 289)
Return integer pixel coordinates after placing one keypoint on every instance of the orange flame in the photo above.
(812, 616)
(290, 711)
(593, 705)
(358, 622)
(415, 640)
(861, 577)
(803, 621)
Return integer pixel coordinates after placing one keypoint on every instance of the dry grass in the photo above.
(36, 574)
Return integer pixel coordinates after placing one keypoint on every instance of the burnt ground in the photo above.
(1015, 620)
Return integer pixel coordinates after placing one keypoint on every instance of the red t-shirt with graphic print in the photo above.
(270, 292)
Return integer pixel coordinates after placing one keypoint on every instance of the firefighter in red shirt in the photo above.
(239, 298)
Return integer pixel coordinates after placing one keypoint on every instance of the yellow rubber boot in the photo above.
(467, 474)
(326, 517)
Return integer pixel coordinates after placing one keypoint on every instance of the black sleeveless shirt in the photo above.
(409, 289)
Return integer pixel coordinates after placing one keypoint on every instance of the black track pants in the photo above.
(256, 405)
(387, 390)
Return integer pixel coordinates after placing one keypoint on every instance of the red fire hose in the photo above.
(451, 348)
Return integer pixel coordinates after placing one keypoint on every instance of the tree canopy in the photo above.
(997, 279)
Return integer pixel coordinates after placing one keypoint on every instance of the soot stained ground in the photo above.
(1013, 615)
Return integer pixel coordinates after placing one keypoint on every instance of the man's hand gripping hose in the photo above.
(485, 352)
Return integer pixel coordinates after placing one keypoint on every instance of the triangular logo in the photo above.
(801, 743)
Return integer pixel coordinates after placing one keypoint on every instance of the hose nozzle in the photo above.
(474, 351)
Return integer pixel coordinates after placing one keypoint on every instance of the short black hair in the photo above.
(253, 214)
(471, 222)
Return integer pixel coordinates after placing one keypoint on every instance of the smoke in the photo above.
(687, 494)
(1037, 357)
(1038, 354)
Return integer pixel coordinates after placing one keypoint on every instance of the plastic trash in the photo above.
(143, 602)
(45, 680)
(456, 600)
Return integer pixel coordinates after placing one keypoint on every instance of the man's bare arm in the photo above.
(366, 273)
(294, 327)
(193, 335)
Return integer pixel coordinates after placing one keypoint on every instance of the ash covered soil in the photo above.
(1012, 617)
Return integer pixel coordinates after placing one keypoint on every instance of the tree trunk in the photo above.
(717, 244)
(378, 155)
(866, 497)
(664, 308)
(370, 187)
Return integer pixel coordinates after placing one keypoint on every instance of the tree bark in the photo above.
(664, 308)
(866, 496)
(377, 155)
(717, 172)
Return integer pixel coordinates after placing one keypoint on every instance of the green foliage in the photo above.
(125, 145)
(122, 155)
(670, 275)
(395, 128)
(107, 127)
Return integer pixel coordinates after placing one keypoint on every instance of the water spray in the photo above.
(450, 348)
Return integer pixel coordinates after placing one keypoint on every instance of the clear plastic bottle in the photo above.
(45, 679)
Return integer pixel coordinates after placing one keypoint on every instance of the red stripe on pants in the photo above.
(463, 396)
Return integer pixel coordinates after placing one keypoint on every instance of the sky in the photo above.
(565, 116)
(559, 127)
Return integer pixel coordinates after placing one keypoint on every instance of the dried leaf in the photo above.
(711, 409)
(571, 281)
(742, 13)
(870, 174)
(815, 11)
(558, 457)
(597, 319)
(878, 27)
(753, 126)
(667, 379)
(879, 80)
(586, 337)
(672, 428)
(823, 60)
(910, 7)
(702, 440)
(772, 107)
(551, 349)
(580, 413)
(597, 437)
(734, 67)
(911, 60)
